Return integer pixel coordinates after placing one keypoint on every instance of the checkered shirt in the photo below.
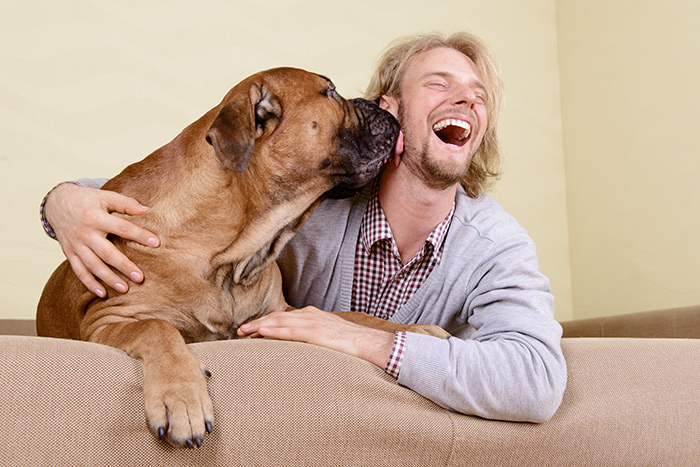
(382, 283)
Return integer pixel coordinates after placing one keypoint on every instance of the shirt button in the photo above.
(401, 276)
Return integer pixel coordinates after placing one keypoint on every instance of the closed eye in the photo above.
(438, 85)
(330, 89)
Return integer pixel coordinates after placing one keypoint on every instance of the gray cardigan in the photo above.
(504, 361)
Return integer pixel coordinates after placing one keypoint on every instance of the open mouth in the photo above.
(453, 131)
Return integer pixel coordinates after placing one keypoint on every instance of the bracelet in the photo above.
(42, 213)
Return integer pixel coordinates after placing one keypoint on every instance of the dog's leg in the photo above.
(378, 323)
(175, 393)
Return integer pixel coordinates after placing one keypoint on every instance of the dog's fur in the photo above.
(225, 195)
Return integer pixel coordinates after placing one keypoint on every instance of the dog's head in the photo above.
(294, 127)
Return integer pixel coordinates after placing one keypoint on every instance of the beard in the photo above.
(435, 174)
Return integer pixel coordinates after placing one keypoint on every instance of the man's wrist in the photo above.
(42, 210)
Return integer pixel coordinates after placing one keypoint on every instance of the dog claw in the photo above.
(207, 373)
(198, 442)
(189, 444)
(209, 427)
(161, 433)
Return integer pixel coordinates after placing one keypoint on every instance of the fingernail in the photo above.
(100, 293)
(119, 287)
(152, 241)
(136, 277)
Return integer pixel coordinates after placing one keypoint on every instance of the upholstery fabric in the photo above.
(628, 402)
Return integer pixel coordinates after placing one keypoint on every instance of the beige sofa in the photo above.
(629, 401)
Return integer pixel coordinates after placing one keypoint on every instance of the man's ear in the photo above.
(239, 123)
(390, 104)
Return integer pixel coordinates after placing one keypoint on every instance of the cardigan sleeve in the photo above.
(506, 361)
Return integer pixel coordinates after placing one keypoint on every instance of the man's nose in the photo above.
(464, 95)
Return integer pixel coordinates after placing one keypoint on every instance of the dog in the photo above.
(226, 195)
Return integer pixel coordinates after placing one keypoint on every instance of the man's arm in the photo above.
(506, 362)
(514, 376)
(317, 327)
(79, 217)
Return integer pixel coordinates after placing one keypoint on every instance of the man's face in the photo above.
(442, 112)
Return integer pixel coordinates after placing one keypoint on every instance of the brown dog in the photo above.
(225, 195)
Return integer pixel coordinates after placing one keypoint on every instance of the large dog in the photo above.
(225, 195)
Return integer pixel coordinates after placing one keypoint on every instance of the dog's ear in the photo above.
(240, 123)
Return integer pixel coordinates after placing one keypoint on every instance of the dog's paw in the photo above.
(429, 329)
(178, 407)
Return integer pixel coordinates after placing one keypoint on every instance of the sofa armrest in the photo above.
(671, 323)
(628, 402)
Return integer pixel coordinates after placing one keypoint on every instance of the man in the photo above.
(415, 246)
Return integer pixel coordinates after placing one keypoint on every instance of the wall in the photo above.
(630, 98)
(87, 87)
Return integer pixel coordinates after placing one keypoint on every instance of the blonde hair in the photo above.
(387, 82)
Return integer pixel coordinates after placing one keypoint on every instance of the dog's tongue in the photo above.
(398, 148)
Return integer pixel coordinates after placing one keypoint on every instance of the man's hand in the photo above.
(314, 326)
(81, 219)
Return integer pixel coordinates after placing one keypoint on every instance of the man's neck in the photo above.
(412, 209)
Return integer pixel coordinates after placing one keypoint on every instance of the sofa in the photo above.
(632, 399)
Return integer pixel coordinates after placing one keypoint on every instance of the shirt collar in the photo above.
(375, 228)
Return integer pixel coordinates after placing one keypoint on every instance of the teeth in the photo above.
(453, 122)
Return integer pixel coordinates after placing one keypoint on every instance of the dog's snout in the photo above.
(378, 127)
(376, 120)
(366, 144)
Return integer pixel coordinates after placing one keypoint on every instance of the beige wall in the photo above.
(631, 112)
(87, 87)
